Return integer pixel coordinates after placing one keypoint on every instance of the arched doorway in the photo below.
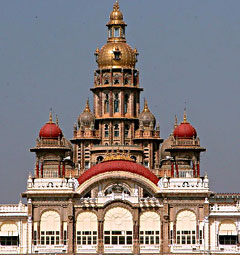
(118, 231)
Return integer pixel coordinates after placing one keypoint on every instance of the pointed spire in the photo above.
(116, 6)
(185, 116)
(146, 109)
(176, 122)
(57, 121)
(87, 108)
(50, 116)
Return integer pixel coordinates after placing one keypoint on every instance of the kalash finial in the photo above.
(87, 107)
(116, 6)
(176, 122)
(50, 116)
(57, 120)
(146, 109)
(185, 116)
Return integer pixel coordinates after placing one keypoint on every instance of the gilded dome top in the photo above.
(116, 53)
(126, 56)
(86, 118)
(116, 16)
(146, 117)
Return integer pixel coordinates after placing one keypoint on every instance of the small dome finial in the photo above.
(87, 107)
(146, 109)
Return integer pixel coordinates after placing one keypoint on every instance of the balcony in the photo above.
(49, 249)
(9, 249)
(225, 249)
(226, 210)
(186, 248)
(118, 249)
(86, 248)
(149, 249)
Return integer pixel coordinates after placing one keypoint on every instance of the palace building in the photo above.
(117, 187)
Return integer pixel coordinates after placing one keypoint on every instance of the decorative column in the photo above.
(59, 169)
(165, 228)
(42, 169)
(198, 169)
(100, 248)
(111, 103)
(136, 247)
(177, 175)
(37, 168)
(63, 170)
(70, 227)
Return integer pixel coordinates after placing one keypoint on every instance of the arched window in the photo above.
(149, 228)
(126, 98)
(186, 227)
(110, 33)
(118, 227)
(116, 103)
(9, 234)
(106, 130)
(117, 32)
(116, 130)
(106, 104)
(227, 233)
(86, 229)
(50, 226)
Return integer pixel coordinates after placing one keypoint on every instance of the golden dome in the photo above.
(116, 16)
(126, 56)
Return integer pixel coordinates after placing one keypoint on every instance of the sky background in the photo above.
(189, 52)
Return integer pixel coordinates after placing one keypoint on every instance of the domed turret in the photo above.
(116, 53)
(50, 129)
(86, 118)
(116, 16)
(146, 118)
(185, 129)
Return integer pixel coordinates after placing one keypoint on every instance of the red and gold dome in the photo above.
(118, 165)
(50, 129)
(185, 129)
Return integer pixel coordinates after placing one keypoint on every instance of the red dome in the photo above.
(185, 130)
(118, 165)
(50, 130)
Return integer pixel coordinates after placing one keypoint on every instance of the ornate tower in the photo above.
(53, 152)
(180, 152)
(116, 123)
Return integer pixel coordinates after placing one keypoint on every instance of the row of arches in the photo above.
(118, 228)
(117, 103)
(116, 130)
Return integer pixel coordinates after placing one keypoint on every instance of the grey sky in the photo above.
(189, 51)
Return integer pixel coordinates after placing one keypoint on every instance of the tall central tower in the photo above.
(116, 124)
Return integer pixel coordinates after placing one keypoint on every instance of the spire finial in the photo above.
(176, 122)
(87, 107)
(146, 109)
(57, 121)
(50, 116)
(185, 116)
(116, 6)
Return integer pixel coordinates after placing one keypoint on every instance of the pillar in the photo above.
(70, 227)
